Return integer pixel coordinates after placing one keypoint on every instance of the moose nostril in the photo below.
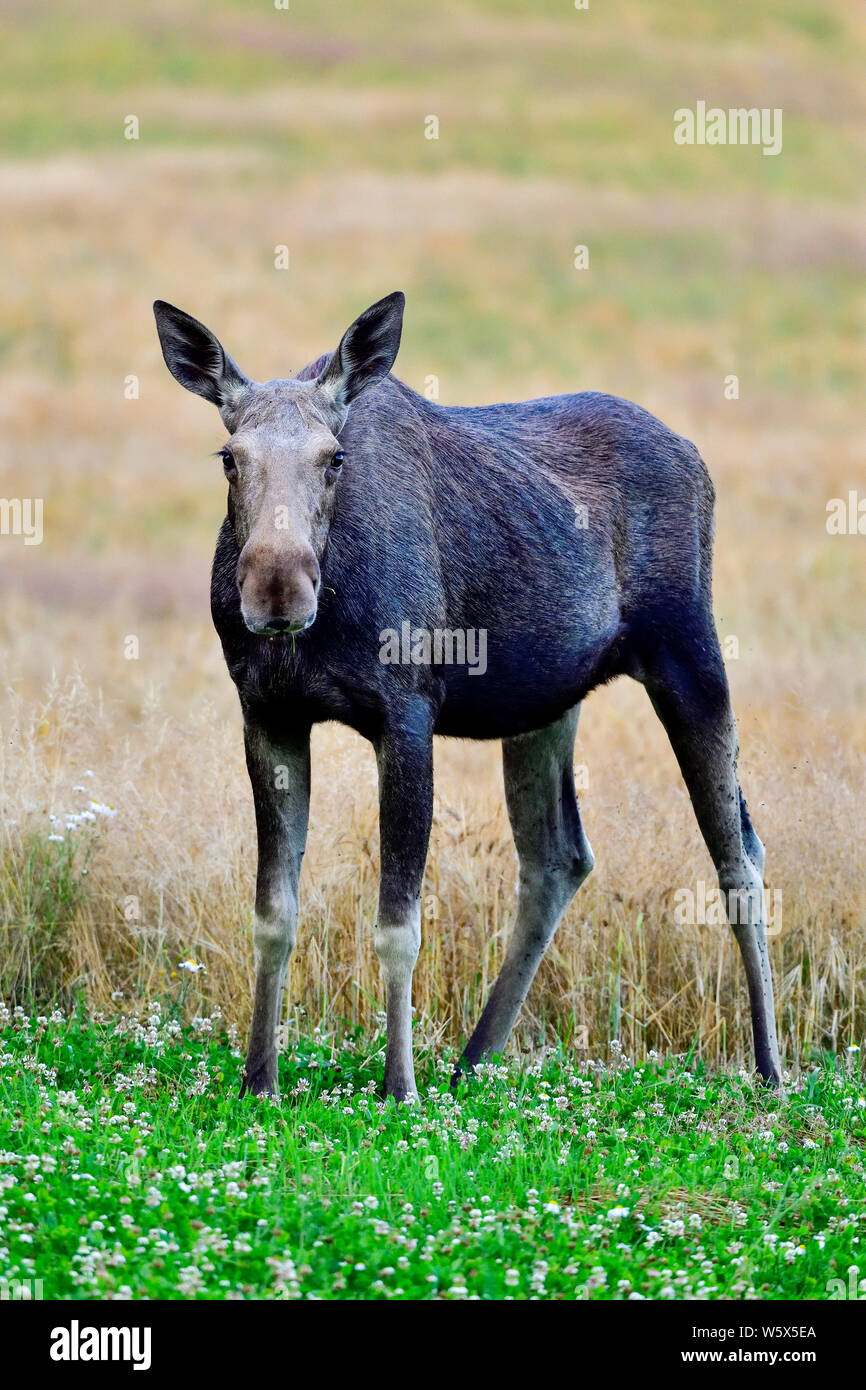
(310, 566)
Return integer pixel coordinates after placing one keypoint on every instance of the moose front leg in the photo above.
(405, 760)
(280, 777)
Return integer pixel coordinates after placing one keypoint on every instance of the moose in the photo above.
(575, 531)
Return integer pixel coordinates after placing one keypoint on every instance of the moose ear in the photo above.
(366, 352)
(195, 357)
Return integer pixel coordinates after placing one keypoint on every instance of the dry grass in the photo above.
(728, 266)
(167, 754)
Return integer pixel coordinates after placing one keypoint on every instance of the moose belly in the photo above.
(506, 687)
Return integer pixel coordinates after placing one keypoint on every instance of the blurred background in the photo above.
(306, 129)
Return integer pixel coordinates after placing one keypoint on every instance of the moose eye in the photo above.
(337, 460)
(229, 466)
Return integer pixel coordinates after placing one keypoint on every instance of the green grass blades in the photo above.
(128, 1168)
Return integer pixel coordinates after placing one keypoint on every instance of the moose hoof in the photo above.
(768, 1078)
(402, 1091)
(259, 1081)
(464, 1068)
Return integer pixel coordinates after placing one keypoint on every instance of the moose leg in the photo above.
(689, 690)
(280, 777)
(404, 755)
(555, 858)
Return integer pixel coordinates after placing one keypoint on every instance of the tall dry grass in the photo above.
(171, 874)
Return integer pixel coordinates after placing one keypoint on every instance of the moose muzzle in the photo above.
(278, 588)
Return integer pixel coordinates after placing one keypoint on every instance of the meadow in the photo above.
(129, 1170)
(127, 840)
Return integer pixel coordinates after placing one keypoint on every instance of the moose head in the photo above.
(283, 457)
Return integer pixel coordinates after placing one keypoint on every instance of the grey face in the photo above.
(283, 461)
(282, 458)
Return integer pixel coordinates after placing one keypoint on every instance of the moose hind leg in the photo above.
(689, 690)
(554, 857)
